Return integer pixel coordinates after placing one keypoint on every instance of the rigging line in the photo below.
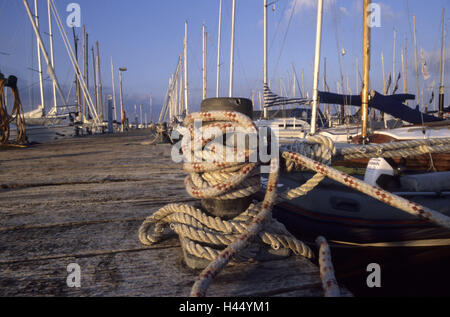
(336, 23)
(284, 41)
(279, 24)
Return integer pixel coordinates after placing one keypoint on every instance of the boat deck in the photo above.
(82, 201)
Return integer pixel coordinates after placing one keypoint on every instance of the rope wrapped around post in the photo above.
(16, 113)
(162, 133)
(212, 175)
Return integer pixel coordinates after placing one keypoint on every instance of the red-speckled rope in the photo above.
(373, 191)
(329, 283)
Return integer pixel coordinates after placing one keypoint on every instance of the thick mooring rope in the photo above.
(322, 147)
(226, 179)
(16, 113)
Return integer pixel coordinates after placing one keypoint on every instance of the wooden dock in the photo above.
(82, 201)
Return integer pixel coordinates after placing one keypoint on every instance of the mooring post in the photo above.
(224, 209)
(227, 209)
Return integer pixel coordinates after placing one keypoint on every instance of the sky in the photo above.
(146, 37)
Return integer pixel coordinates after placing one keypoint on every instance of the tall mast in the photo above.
(77, 82)
(303, 82)
(384, 74)
(442, 67)
(185, 69)
(100, 88)
(204, 61)
(405, 76)
(233, 21)
(83, 109)
(415, 61)
(181, 106)
(218, 49)
(52, 57)
(151, 108)
(50, 70)
(366, 70)
(41, 79)
(393, 57)
(113, 89)
(294, 81)
(87, 68)
(317, 68)
(266, 81)
(95, 80)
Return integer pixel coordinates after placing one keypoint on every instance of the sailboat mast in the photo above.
(393, 56)
(204, 61)
(41, 79)
(83, 109)
(100, 88)
(52, 57)
(219, 39)
(303, 82)
(366, 70)
(317, 68)
(384, 74)
(50, 70)
(95, 80)
(266, 81)
(77, 82)
(233, 20)
(151, 108)
(113, 89)
(185, 69)
(405, 72)
(441, 79)
(415, 61)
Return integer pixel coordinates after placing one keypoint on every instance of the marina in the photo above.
(263, 187)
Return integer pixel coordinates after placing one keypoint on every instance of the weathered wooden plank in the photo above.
(156, 273)
(75, 203)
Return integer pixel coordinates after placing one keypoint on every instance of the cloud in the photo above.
(386, 11)
(433, 60)
(344, 11)
(299, 6)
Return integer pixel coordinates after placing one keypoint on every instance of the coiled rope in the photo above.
(211, 175)
(16, 113)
